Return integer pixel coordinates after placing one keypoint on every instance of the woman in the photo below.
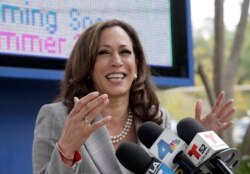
(106, 86)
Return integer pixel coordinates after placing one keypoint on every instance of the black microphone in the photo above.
(206, 150)
(138, 161)
(166, 146)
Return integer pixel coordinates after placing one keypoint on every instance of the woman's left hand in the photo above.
(219, 119)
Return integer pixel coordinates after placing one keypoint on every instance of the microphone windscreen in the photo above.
(187, 128)
(148, 132)
(133, 157)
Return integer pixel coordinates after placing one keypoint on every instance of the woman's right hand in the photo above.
(76, 128)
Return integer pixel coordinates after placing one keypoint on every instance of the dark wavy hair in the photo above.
(143, 101)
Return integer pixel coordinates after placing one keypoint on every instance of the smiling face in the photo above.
(115, 66)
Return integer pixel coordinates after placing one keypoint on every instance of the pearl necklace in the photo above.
(117, 138)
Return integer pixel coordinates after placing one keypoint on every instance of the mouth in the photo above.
(116, 76)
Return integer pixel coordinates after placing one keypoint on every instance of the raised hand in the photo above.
(219, 118)
(79, 123)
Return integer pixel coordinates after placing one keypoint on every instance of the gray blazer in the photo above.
(98, 153)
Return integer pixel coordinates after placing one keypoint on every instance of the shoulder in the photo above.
(166, 120)
(56, 108)
(51, 116)
(53, 111)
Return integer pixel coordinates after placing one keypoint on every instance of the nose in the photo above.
(116, 60)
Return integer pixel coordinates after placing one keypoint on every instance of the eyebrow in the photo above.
(110, 46)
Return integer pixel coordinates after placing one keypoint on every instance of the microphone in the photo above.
(206, 149)
(166, 146)
(138, 161)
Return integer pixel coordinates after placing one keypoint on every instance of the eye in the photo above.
(103, 52)
(125, 51)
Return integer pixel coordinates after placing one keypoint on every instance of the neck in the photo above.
(125, 131)
(118, 109)
(120, 126)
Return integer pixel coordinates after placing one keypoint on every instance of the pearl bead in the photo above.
(117, 138)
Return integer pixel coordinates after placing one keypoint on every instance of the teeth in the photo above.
(116, 76)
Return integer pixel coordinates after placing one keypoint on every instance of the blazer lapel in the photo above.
(102, 152)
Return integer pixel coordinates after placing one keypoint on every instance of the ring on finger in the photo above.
(218, 122)
(85, 119)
